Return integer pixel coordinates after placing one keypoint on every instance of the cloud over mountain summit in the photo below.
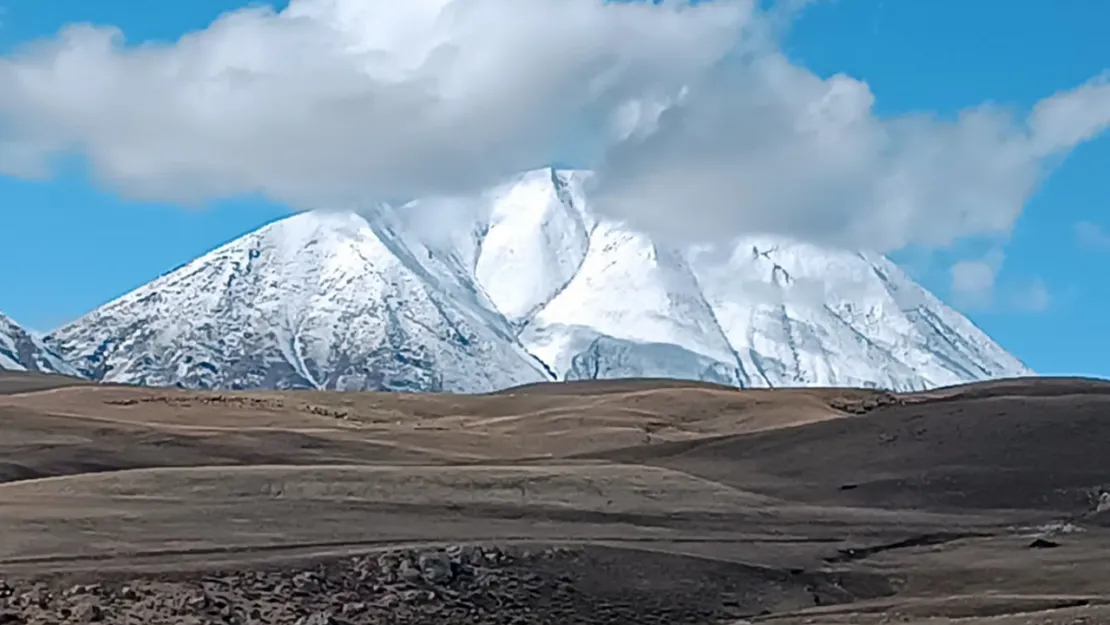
(697, 124)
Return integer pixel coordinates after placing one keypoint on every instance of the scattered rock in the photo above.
(316, 618)
(353, 608)
(82, 589)
(465, 555)
(88, 613)
(387, 562)
(436, 567)
(305, 578)
(1043, 543)
(1055, 528)
(494, 555)
(408, 571)
(389, 600)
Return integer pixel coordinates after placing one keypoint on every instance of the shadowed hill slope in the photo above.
(1034, 444)
(30, 381)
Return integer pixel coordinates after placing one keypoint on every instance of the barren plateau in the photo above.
(639, 501)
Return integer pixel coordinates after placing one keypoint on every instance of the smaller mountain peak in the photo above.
(23, 350)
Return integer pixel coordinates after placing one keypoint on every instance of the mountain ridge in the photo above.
(521, 284)
(21, 350)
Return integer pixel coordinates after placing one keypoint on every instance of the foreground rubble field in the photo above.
(457, 584)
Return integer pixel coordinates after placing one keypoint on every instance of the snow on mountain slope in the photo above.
(783, 314)
(536, 239)
(519, 284)
(22, 351)
(633, 309)
(800, 315)
(318, 300)
(771, 313)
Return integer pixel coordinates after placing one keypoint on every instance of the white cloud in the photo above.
(771, 147)
(704, 129)
(972, 276)
(334, 101)
(1092, 236)
(1067, 119)
(975, 284)
(973, 281)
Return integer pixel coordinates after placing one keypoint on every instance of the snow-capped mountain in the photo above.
(521, 284)
(22, 351)
(318, 300)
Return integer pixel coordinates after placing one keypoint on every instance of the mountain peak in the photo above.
(317, 300)
(21, 350)
(522, 283)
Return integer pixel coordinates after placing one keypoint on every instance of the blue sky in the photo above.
(79, 244)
